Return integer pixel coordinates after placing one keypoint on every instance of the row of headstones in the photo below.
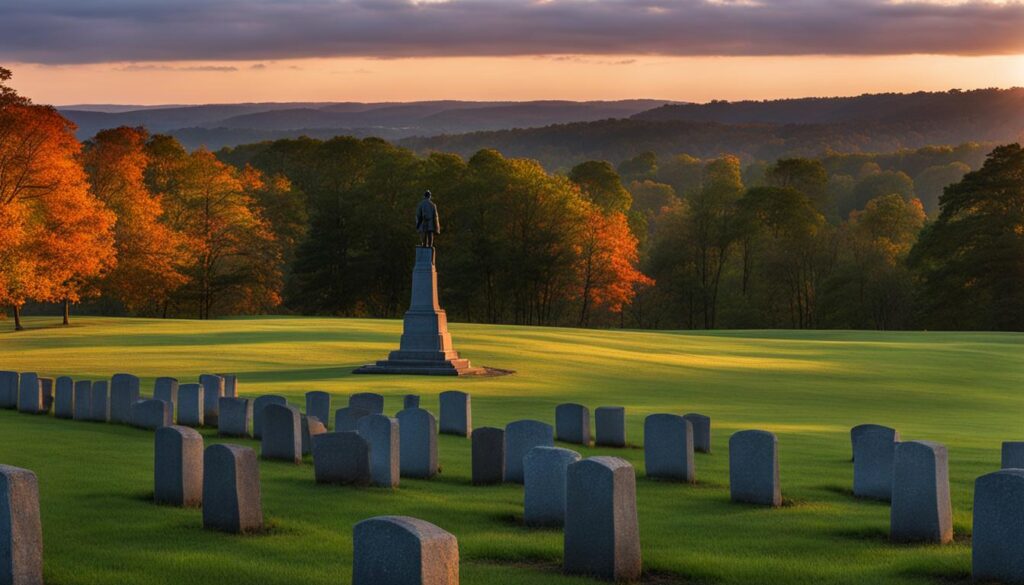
(118, 400)
(914, 477)
(572, 425)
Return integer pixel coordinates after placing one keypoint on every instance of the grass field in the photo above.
(99, 527)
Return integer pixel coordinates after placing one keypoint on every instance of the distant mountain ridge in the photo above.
(218, 125)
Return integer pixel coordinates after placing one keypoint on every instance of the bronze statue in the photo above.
(427, 221)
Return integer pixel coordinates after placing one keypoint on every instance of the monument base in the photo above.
(426, 346)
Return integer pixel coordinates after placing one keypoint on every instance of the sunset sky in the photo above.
(202, 51)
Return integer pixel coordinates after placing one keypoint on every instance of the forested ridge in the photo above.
(130, 222)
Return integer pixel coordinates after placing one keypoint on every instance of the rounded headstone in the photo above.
(382, 434)
(151, 414)
(318, 404)
(488, 456)
(997, 541)
(257, 411)
(30, 394)
(235, 417)
(83, 400)
(921, 510)
(754, 468)
(9, 385)
(668, 447)
(368, 401)
(64, 398)
(282, 433)
(610, 423)
(213, 390)
(341, 457)
(410, 401)
(572, 423)
(166, 389)
(520, 437)
(178, 466)
(99, 405)
(124, 393)
(21, 531)
(456, 413)
(602, 532)
(231, 489)
(873, 454)
(417, 450)
(544, 471)
(191, 405)
(701, 425)
(1013, 455)
(347, 419)
(399, 550)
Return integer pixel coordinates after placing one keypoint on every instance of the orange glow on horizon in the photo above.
(696, 79)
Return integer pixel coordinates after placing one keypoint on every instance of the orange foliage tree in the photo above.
(55, 237)
(607, 264)
(234, 260)
(149, 252)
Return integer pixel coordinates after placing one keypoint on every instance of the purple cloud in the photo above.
(97, 31)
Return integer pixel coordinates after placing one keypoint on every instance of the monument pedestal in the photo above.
(426, 346)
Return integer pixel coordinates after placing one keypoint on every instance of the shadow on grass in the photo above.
(945, 577)
(554, 566)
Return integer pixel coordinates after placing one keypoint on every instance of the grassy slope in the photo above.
(963, 390)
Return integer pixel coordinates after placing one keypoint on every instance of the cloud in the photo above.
(155, 67)
(73, 31)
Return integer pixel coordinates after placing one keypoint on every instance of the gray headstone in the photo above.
(318, 404)
(858, 431)
(282, 433)
(544, 471)
(520, 437)
(151, 414)
(873, 453)
(257, 411)
(410, 401)
(99, 402)
(347, 419)
(997, 541)
(213, 390)
(368, 401)
(235, 417)
(382, 435)
(921, 509)
(47, 386)
(1013, 455)
(231, 489)
(610, 423)
(572, 423)
(417, 449)
(21, 529)
(83, 400)
(754, 468)
(124, 392)
(456, 413)
(668, 448)
(190, 405)
(166, 389)
(602, 533)
(178, 467)
(488, 456)
(311, 427)
(230, 385)
(9, 385)
(341, 457)
(399, 550)
(64, 398)
(701, 425)
(30, 394)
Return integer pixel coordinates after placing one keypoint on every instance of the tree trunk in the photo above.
(67, 312)
(17, 318)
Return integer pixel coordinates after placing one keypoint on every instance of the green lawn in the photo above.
(99, 527)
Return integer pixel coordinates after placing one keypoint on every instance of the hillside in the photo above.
(216, 126)
(96, 480)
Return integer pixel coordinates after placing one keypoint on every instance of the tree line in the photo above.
(129, 223)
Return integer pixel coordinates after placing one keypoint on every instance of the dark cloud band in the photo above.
(96, 31)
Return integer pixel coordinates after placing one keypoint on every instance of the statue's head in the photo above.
(426, 195)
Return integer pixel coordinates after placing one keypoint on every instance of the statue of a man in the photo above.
(427, 221)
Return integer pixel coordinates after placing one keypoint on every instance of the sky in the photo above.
(209, 51)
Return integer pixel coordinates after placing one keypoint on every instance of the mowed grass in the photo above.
(960, 389)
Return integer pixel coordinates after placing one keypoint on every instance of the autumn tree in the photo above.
(54, 236)
(150, 254)
(606, 264)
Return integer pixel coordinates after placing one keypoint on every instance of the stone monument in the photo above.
(426, 346)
